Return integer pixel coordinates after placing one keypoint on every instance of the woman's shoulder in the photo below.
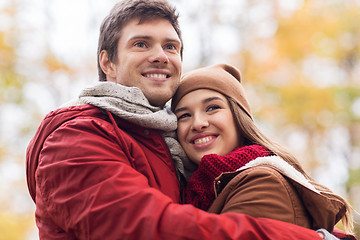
(261, 191)
(272, 175)
(263, 167)
(258, 174)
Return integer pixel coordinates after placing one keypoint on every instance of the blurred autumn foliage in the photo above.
(306, 77)
(19, 117)
(300, 64)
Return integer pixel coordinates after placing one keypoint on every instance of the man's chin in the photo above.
(158, 101)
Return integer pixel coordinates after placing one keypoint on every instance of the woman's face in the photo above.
(206, 124)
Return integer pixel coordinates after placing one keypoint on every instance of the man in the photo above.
(99, 168)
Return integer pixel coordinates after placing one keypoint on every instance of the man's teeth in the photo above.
(203, 140)
(156, 75)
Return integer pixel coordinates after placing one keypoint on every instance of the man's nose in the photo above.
(200, 123)
(158, 55)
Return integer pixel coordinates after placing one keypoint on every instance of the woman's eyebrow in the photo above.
(204, 101)
(211, 99)
(180, 109)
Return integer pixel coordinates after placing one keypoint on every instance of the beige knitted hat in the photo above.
(223, 78)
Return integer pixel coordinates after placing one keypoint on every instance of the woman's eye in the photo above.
(213, 107)
(182, 116)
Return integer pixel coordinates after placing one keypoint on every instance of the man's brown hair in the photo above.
(125, 11)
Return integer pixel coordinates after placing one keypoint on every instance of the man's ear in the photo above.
(107, 66)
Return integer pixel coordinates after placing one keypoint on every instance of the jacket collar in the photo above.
(283, 167)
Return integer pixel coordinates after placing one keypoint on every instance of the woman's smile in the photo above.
(203, 140)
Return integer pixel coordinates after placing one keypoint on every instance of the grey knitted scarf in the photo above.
(130, 103)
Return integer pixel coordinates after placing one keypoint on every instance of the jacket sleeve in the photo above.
(88, 188)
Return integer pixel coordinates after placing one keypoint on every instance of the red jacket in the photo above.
(95, 176)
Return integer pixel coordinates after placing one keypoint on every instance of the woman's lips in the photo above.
(204, 141)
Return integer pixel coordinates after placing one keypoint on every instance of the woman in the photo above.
(257, 176)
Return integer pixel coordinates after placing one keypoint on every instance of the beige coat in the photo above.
(269, 187)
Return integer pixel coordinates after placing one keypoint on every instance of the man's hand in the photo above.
(324, 234)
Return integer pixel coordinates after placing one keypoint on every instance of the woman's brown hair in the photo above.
(252, 135)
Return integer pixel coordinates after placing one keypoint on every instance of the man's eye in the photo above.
(140, 44)
(170, 47)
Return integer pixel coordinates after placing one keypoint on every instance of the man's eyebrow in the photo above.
(149, 38)
(139, 37)
(173, 40)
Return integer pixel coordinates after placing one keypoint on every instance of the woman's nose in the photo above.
(200, 123)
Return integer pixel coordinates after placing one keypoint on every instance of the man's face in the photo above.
(149, 58)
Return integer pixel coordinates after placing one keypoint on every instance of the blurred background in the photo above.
(300, 63)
